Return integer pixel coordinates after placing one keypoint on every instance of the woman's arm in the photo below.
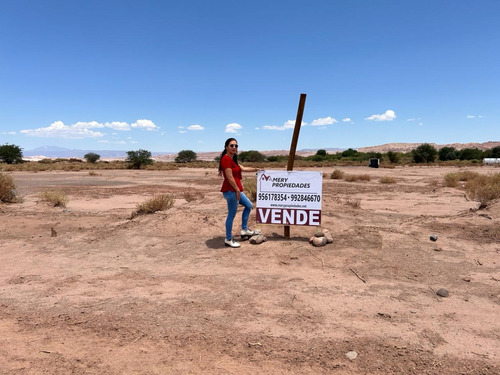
(248, 169)
(229, 175)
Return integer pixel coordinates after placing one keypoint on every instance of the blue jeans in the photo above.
(232, 207)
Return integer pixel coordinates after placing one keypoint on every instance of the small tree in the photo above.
(186, 156)
(11, 154)
(470, 154)
(425, 153)
(321, 152)
(349, 152)
(138, 158)
(252, 156)
(393, 157)
(447, 153)
(91, 157)
(495, 152)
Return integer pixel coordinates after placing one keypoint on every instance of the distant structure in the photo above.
(491, 161)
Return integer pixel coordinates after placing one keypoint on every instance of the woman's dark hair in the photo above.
(224, 152)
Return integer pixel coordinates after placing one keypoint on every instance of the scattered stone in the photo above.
(257, 239)
(328, 235)
(433, 238)
(53, 232)
(443, 292)
(319, 234)
(467, 279)
(352, 355)
(438, 249)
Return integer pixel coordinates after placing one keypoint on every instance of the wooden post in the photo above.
(293, 146)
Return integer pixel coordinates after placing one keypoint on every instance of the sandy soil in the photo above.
(160, 294)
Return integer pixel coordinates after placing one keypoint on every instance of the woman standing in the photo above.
(232, 190)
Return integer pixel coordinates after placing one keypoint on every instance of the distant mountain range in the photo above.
(62, 152)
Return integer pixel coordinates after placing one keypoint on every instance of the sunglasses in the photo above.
(233, 146)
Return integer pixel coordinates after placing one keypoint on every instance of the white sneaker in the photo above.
(231, 243)
(247, 233)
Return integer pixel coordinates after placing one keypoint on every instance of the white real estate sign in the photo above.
(289, 197)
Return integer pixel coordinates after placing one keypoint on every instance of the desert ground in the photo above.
(85, 289)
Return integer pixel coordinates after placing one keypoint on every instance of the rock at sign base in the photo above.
(257, 239)
(443, 292)
(319, 241)
(328, 235)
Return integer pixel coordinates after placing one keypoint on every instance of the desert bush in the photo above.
(352, 202)
(94, 173)
(250, 188)
(190, 196)
(7, 189)
(337, 174)
(55, 198)
(452, 179)
(387, 180)
(357, 177)
(159, 202)
(484, 189)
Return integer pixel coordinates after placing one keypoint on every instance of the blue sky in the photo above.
(177, 75)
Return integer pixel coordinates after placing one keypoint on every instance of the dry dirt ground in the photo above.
(160, 294)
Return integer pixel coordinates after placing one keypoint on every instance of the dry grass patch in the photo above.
(250, 188)
(351, 202)
(337, 174)
(387, 180)
(55, 198)
(478, 187)
(484, 189)
(357, 177)
(159, 202)
(7, 189)
(190, 196)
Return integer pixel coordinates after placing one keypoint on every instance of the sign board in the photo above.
(289, 197)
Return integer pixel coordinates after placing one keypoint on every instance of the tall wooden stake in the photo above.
(295, 140)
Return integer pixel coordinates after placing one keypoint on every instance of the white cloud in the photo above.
(145, 124)
(389, 115)
(182, 131)
(346, 119)
(195, 127)
(413, 119)
(58, 129)
(81, 129)
(9, 133)
(474, 116)
(233, 127)
(290, 124)
(323, 121)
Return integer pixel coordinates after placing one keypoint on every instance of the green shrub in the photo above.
(91, 157)
(186, 156)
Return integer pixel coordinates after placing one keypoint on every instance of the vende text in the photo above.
(286, 216)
